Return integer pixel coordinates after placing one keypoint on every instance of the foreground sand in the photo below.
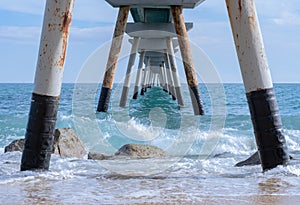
(206, 200)
(241, 200)
(252, 200)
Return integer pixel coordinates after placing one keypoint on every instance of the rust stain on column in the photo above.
(66, 22)
(240, 6)
(115, 47)
(184, 46)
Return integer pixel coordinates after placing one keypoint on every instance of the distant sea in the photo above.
(203, 150)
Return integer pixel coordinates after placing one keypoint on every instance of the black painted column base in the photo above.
(196, 100)
(169, 89)
(104, 99)
(173, 92)
(173, 97)
(38, 145)
(142, 91)
(267, 126)
(136, 92)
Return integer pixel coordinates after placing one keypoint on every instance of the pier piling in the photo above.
(144, 88)
(160, 77)
(175, 75)
(113, 57)
(47, 85)
(149, 85)
(170, 77)
(164, 69)
(126, 85)
(138, 75)
(258, 83)
(188, 63)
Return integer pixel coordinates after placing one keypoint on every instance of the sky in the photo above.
(93, 25)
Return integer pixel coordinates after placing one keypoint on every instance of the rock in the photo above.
(98, 156)
(16, 145)
(68, 144)
(252, 160)
(141, 151)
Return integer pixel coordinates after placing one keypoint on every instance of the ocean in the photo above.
(202, 149)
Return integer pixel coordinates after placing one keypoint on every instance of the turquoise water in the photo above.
(203, 150)
(15, 103)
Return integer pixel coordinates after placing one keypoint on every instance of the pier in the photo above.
(157, 33)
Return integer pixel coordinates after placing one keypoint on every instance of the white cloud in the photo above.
(20, 35)
(86, 10)
(283, 13)
(90, 33)
(29, 35)
(287, 18)
(28, 6)
(95, 35)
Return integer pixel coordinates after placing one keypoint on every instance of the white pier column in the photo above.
(162, 74)
(126, 85)
(160, 78)
(174, 72)
(188, 63)
(38, 144)
(258, 83)
(113, 57)
(170, 77)
(145, 73)
(149, 78)
(154, 80)
(138, 75)
(166, 86)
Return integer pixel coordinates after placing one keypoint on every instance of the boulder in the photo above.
(66, 144)
(16, 145)
(141, 151)
(98, 156)
(252, 160)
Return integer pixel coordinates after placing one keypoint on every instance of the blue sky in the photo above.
(93, 24)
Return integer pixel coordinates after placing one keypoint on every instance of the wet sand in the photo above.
(248, 200)
(206, 200)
